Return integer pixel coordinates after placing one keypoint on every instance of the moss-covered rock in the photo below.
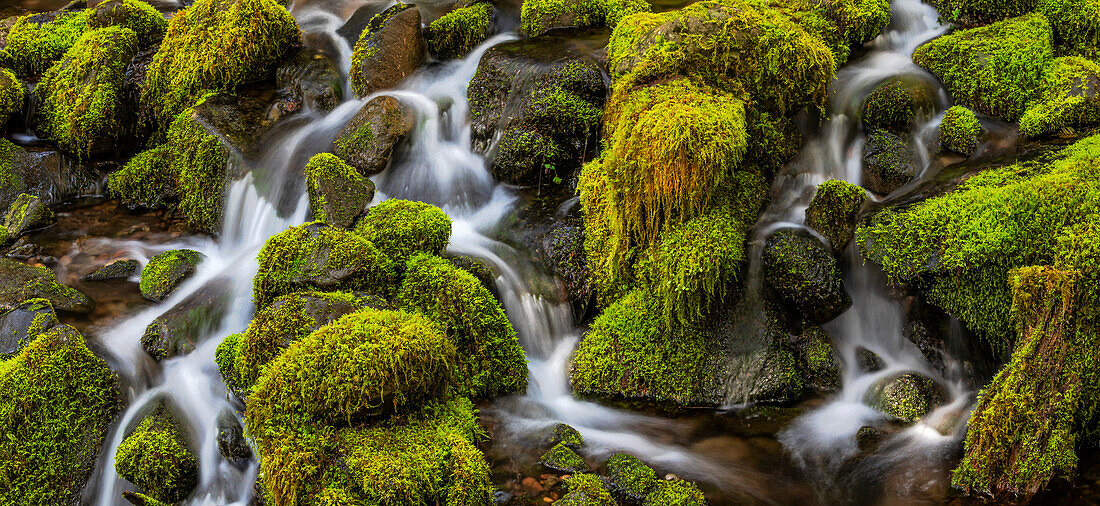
(157, 458)
(368, 139)
(540, 16)
(20, 282)
(27, 213)
(57, 400)
(896, 104)
(390, 48)
(458, 32)
(490, 360)
(338, 195)
(36, 41)
(887, 162)
(316, 256)
(566, 435)
(629, 477)
(805, 275)
(585, 489)
(752, 355)
(403, 228)
(24, 322)
(123, 268)
(675, 492)
(1070, 98)
(137, 15)
(181, 328)
(906, 396)
(959, 130)
(165, 271)
(1076, 25)
(995, 69)
(833, 211)
(819, 359)
(980, 12)
(563, 459)
(141, 499)
(252, 37)
(146, 180)
(12, 96)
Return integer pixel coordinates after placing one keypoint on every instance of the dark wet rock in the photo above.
(868, 361)
(907, 396)
(367, 141)
(629, 478)
(819, 359)
(42, 172)
(755, 361)
(177, 331)
(805, 275)
(141, 499)
(926, 326)
(833, 212)
(390, 48)
(566, 435)
(242, 120)
(358, 21)
(20, 282)
(166, 271)
(22, 249)
(231, 441)
(135, 78)
(27, 213)
(563, 459)
(157, 456)
(897, 103)
(313, 78)
(887, 162)
(869, 437)
(24, 322)
(535, 110)
(123, 268)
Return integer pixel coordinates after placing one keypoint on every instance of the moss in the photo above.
(156, 458)
(891, 106)
(980, 12)
(995, 69)
(887, 161)
(20, 282)
(199, 159)
(136, 15)
(1076, 25)
(563, 459)
(146, 180)
(27, 213)
(630, 476)
(252, 37)
(959, 130)
(166, 271)
(338, 194)
(317, 256)
(225, 356)
(11, 182)
(403, 228)
(585, 489)
(491, 361)
(675, 492)
(566, 435)
(80, 98)
(56, 402)
(833, 211)
(5, 236)
(1070, 98)
(36, 41)
(820, 361)
(12, 95)
(540, 16)
(907, 396)
(460, 31)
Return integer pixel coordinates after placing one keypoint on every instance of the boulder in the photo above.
(403, 228)
(180, 329)
(458, 32)
(564, 434)
(20, 282)
(166, 271)
(675, 491)
(585, 489)
(12, 97)
(887, 162)
(390, 48)
(157, 456)
(367, 140)
(24, 322)
(833, 211)
(868, 361)
(123, 268)
(805, 276)
(42, 172)
(37, 40)
(136, 15)
(338, 194)
(563, 459)
(231, 441)
(243, 119)
(819, 359)
(27, 213)
(907, 396)
(313, 78)
(896, 104)
(541, 16)
(629, 477)
(1070, 98)
(959, 131)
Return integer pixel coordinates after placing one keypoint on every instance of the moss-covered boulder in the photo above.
(833, 212)
(980, 12)
(146, 180)
(338, 194)
(1076, 25)
(137, 15)
(490, 360)
(629, 477)
(24, 322)
(181, 328)
(537, 108)
(27, 213)
(888, 162)
(805, 275)
(20, 282)
(995, 69)
(390, 48)
(540, 16)
(563, 459)
(367, 140)
(675, 492)
(38, 40)
(585, 489)
(57, 400)
(819, 359)
(403, 228)
(165, 271)
(906, 396)
(157, 456)
(316, 256)
(12, 96)
(566, 435)
(960, 130)
(122, 268)
(896, 104)
(1070, 98)
(458, 32)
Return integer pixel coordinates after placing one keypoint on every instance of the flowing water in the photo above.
(439, 167)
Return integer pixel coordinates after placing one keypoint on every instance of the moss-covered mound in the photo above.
(905, 396)
(27, 213)
(56, 402)
(630, 477)
(585, 489)
(995, 69)
(156, 457)
(80, 98)
(1070, 98)
(458, 32)
(338, 194)
(146, 180)
(490, 361)
(1076, 25)
(403, 228)
(959, 130)
(148, 24)
(563, 459)
(675, 492)
(20, 282)
(165, 271)
(317, 256)
(252, 35)
(980, 12)
(36, 41)
(888, 161)
(539, 16)
(12, 96)
(833, 211)
(895, 105)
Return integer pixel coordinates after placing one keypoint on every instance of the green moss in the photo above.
(156, 458)
(338, 195)
(563, 459)
(80, 98)
(980, 12)
(1070, 98)
(165, 271)
(630, 476)
(146, 180)
(314, 256)
(540, 16)
(567, 436)
(56, 402)
(12, 95)
(1076, 25)
(675, 493)
(833, 211)
(403, 228)
(959, 130)
(27, 213)
(995, 69)
(226, 357)
(819, 359)
(136, 15)
(585, 489)
(199, 159)
(491, 361)
(36, 41)
(890, 105)
(5, 236)
(11, 183)
(252, 36)
(907, 397)
(459, 31)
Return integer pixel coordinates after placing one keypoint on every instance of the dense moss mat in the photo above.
(252, 36)
(539, 16)
(980, 12)
(338, 194)
(675, 492)
(585, 489)
(403, 228)
(56, 401)
(1076, 25)
(458, 32)
(959, 130)
(147, 180)
(36, 41)
(148, 24)
(833, 212)
(12, 96)
(166, 271)
(1070, 97)
(156, 458)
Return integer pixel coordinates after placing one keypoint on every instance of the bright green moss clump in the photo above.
(135, 15)
(200, 160)
(995, 69)
(252, 36)
(1070, 98)
(980, 12)
(675, 493)
(586, 489)
(36, 41)
(166, 271)
(156, 458)
(146, 180)
(491, 362)
(833, 211)
(959, 130)
(540, 16)
(80, 98)
(459, 31)
(403, 228)
(56, 402)
(563, 459)
(12, 95)
(891, 106)
(338, 194)
(225, 356)
(1076, 25)
(629, 476)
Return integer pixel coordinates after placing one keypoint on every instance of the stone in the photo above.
(805, 275)
(24, 322)
(165, 271)
(390, 48)
(368, 140)
(563, 459)
(907, 396)
(180, 329)
(123, 268)
(887, 162)
(20, 282)
(27, 213)
(231, 441)
(313, 78)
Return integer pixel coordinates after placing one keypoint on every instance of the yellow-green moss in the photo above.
(36, 41)
(146, 180)
(200, 160)
(142, 18)
(585, 489)
(833, 211)
(1070, 98)
(959, 130)
(1076, 25)
(540, 16)
(403, 228)
(338, 194)
(629, 476)
(225, 356)
(459, 31)
(675, 492)
(156, 458)
(980, 12)
(563, 459)
(166, 271)
(12, 95)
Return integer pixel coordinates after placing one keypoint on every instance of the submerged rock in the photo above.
(563, 459)
(123, 268)
(27, 213)
(887, 162)
(178, 330)
(165, 271)
(907, 396)
(390, 48)
(20, 282)
(338, 194)
(24, 322)
(368, 140)
(157, 456)
(805, 275)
